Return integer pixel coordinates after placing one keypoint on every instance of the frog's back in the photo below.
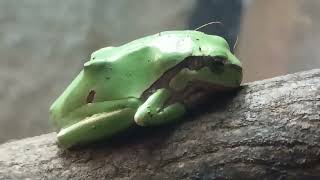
(139, 63)
(168, 41)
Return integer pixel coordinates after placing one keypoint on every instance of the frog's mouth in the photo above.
(198, 76)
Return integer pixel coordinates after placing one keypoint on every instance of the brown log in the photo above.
(269, 129)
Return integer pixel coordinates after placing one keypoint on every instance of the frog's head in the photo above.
(225, 66)
(211, 63)
(82, 96)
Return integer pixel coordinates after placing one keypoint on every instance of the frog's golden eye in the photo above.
(90, 96)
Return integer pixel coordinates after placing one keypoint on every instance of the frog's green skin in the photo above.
(106, 97)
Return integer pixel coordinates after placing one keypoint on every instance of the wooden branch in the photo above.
(270, 129)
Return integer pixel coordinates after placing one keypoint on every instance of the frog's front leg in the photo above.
(116, 116)
(153, 112)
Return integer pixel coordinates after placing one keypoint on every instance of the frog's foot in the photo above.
(153, 112)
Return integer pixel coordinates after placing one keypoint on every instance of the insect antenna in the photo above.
(217, 22)
(209, 23)
(235, 43)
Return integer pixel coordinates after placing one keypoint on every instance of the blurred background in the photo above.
(44, 43)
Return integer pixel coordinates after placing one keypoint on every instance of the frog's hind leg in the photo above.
(116, 117)
(154, 112)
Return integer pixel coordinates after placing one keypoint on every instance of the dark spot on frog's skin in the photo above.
(128, 74)
(90, 96)
(107, 78)
(149, 112)
(197, 39)
(93, 58)
(199, 48)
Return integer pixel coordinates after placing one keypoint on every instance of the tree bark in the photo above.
(268, 129)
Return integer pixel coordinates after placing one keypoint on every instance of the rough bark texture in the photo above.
(269, 129)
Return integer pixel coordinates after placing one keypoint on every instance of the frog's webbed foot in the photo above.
(153, 112)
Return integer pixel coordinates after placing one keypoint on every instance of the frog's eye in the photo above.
(90, 96)
(217, 65)
(220, 60)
